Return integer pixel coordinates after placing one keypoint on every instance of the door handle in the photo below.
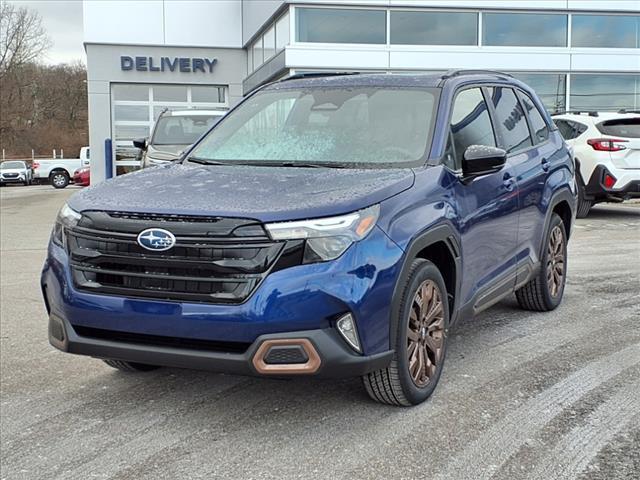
(508, 182)
(545, 164)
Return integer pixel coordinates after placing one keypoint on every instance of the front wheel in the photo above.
(421, 326)
(544, 292)
(59, 179)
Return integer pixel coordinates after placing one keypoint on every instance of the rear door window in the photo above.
(622, 127)
(470, 122)
(512, 120)
(538, 124)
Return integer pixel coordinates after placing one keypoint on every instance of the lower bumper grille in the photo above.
(161, 341)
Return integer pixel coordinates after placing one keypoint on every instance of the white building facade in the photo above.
(144, 56)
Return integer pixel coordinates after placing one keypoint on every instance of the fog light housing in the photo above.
(347, 328)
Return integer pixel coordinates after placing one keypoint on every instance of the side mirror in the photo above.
(482, 160)
(140, 143)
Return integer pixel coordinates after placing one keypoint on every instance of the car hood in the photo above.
(263, 193)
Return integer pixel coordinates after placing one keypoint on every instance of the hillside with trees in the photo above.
(42, 107)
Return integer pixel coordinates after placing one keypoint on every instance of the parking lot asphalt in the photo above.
(523, 395)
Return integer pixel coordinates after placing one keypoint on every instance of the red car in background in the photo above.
(82, 177)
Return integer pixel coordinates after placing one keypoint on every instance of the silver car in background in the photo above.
(173, 132)
(15, 171)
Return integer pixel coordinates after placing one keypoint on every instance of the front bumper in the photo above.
(18, 179)
(301, 302)
(335, 358)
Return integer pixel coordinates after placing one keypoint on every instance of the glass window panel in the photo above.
(131, 113)
(131, 132)
(604, 92)
(333, 25)
(550, 88)
(249, 60)
(346, 125)
(169, 93)
(538, 124)
(621, 127)
(206, 94)
(282, 32)
(512, 120)
(524, 29)
(257, 53)
(130, 92)
(605, 31)
(470, 122)
(434, 28)
(269, 40)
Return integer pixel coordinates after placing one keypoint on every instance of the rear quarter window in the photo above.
(623, 127)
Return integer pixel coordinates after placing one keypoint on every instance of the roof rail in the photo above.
(576, 112)
(315, 74)
(457, 72)
(624, 110)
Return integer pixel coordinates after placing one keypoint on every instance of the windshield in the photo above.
(8, 165)
(181, 130)
(352, 126)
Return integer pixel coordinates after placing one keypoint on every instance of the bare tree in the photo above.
(22, 37)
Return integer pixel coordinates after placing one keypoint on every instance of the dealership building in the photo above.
(148, 55)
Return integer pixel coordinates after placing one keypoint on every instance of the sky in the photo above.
(63, 22)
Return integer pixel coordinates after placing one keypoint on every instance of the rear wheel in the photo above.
(59, 179)
(420, 345)
(130, 366)
(584, 205)
(545, 291)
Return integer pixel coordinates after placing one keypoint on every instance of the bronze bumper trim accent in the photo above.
(309, 367)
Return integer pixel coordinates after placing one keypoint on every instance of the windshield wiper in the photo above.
(307, 165)
(205, 161)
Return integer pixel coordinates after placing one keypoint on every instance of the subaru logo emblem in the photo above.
(156, 239)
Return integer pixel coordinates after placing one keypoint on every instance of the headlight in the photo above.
(327, 238)
(67, 217)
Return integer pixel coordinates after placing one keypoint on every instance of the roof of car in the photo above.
(595, 117)
(346, 79)
(193, 112)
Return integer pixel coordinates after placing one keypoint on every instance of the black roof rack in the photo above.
(624, 110)
(315, 74)
(457, 72)
(577, 112)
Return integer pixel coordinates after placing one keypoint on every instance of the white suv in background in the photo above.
(606, 147)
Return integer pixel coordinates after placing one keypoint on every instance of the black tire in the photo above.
(59, 179)
(539, 294)
(395, 385)
(130, 366)
(584, 205)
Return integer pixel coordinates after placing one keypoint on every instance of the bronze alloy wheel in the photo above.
(555, 261)
(425, 333)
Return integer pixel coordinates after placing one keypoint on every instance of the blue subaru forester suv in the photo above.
(333, 225)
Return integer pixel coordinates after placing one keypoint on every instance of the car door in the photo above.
(489, 203)
(524, 134)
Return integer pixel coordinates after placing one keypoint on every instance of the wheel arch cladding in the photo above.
(440, 246)
(563, 210)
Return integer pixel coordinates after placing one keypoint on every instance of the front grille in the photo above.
(10, 175)
(216, 260)
(161, 341)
